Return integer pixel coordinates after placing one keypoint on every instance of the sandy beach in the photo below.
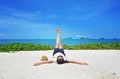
(103, 64)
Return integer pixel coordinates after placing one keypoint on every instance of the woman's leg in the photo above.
(58, 41)
(58, 47)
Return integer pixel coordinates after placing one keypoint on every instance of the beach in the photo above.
(103, 64)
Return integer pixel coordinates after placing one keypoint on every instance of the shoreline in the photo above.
(103, 64)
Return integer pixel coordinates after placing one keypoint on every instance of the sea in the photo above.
(52, 42)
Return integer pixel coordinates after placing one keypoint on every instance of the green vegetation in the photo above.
(93, 46)
(23, 47)
(32, 47)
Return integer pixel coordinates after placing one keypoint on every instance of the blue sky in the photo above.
(38, 19)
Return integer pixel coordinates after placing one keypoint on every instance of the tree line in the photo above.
(35, 47)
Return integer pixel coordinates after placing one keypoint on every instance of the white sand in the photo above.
(103, 64)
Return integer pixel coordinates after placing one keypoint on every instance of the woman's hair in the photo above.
(60, 61)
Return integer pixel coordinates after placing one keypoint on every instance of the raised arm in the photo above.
(77, 62)
(43, 62)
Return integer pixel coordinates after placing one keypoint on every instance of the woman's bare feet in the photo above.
(58, 30)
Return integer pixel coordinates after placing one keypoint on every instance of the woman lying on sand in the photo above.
(59, 55)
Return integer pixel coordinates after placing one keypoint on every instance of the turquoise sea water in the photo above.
(64, 41)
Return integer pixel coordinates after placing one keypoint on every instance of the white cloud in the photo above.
(78, 35)
(91, 9)
(13, 22)
(28, 15)
(90, 15)
(16, 18)
(85, 36)
(52, 16)
(2, 35)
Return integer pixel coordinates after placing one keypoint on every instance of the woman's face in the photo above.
(60, 57)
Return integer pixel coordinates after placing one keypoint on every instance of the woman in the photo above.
(58, 55)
